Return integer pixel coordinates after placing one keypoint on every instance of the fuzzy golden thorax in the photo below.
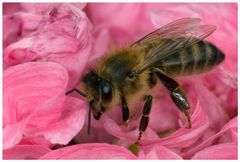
(116, 68)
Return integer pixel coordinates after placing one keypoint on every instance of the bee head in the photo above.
(99, 93)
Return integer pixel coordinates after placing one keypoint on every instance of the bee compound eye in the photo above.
(98, 79)
(105, 86)
(106, 89)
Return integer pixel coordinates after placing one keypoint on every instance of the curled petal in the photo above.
(127, 137)
(25, 152)
(184, 137)
(69, 123)
(31, 85)
(63, 36)
(114, 129)
(225, 151)
(29, 90)
(12, 134)
(90, 151)
(211, 105)
(232, 124)
(35, 140)
(163, 112)
(158, 152)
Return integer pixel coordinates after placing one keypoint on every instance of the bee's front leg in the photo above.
(176, 94)
(76, 90)
(145, 117)
(125, 110)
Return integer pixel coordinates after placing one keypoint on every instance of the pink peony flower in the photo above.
(35, 104)
(25, 152)
(90, 151)
(46, 51)
(218, 152)
(62, 35)
(158, 152)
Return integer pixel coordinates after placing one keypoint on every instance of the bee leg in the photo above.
(144, 120)
(76, 90)
(152, 79)
(125, 110)
(176, 94)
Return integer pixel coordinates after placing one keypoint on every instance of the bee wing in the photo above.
(170, 38)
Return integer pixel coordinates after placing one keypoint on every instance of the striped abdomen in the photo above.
(199, 57)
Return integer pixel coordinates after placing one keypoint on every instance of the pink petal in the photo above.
(212, 106)
(25, 152)
(234, 134)
(69, 123)
(67, 29)
(10, 8)
(128, 135)
(38, 8)
(10, 35)
(29, 22)
(12, 133)
(114, 129)
(90, 151)
(122, 30)
(35, 140)
(229, 78)
(30, 89)
(45, 8)
(184, 137)
(20, 83)
(163, 111)
(225, 151)
(157, 152)
(98, 133)
(232, 124)
(101, 43)
(233, 105)
(79, 5)
(225, 92)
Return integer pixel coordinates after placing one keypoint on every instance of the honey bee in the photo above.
(126, 75)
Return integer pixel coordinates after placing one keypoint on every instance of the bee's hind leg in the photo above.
(145, 117)
(176, 94)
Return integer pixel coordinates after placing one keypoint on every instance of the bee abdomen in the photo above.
(198, 58)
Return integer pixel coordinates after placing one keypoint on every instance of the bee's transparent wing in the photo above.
(170, 38)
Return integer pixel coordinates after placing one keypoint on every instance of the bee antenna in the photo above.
(89, 121)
